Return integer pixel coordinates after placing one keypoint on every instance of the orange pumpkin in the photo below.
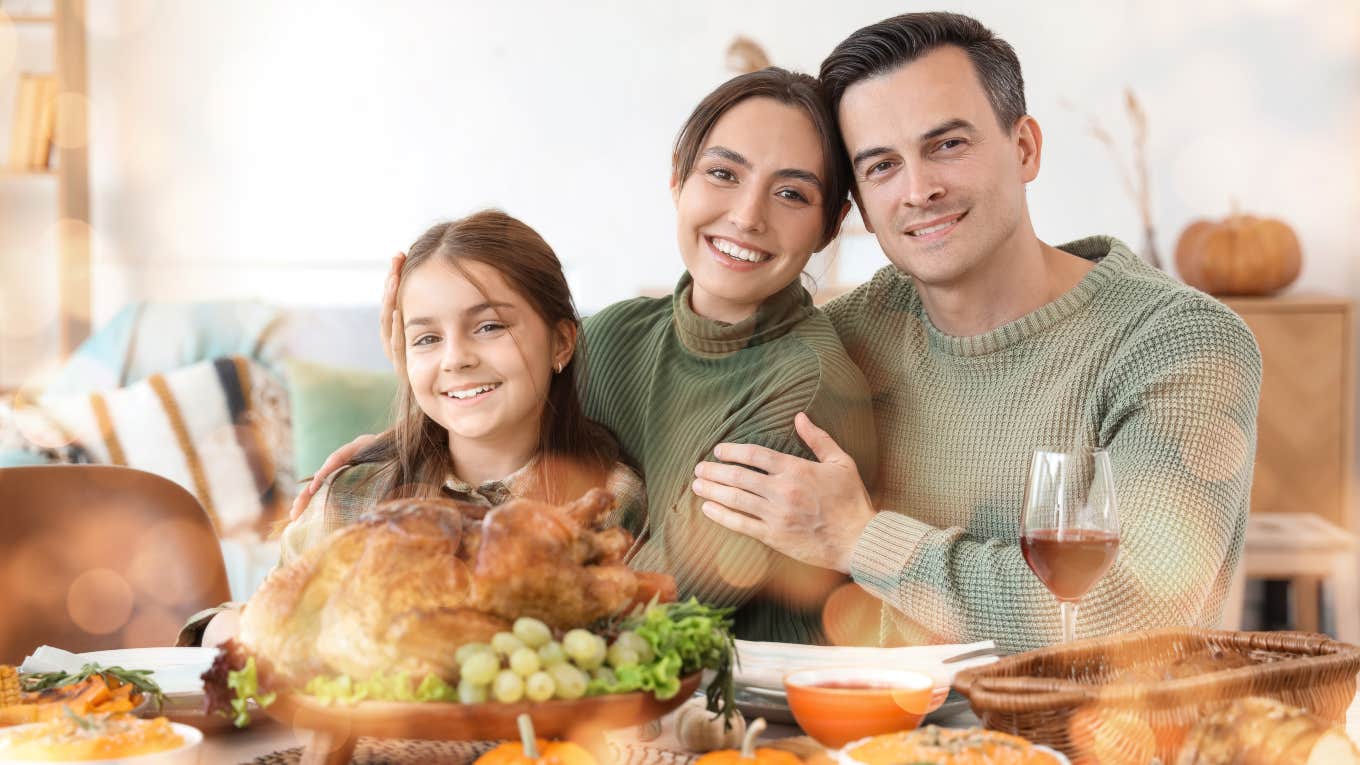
(748, 754)
(535, 751)
(1240, 255)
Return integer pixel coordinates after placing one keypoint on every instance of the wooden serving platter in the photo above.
(336, 728)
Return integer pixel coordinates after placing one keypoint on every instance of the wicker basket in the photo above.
(1103, 700)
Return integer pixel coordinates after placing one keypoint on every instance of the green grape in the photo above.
(539, 686)
(508, 688)
(597, 654)
(604, 675)
(531, 631)
(466, 650)
(525, 661)
(578, 644)
(639, 644)
(621, 656)
(471, 693)
(551, 653)
(571, 682)
(505, 643)
(480, 668)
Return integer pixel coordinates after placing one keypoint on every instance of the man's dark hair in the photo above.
(882, 47)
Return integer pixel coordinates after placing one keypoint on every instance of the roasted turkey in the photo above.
(408, 583)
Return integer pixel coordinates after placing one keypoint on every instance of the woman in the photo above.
(760, 183)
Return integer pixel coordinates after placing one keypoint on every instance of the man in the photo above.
(982, 344)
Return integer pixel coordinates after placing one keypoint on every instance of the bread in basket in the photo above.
(1133, 697)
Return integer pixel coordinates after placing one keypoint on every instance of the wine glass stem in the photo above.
(1069, 619)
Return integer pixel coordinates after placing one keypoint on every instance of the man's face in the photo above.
(938, 180)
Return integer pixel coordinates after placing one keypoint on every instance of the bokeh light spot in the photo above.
(852, 616)
(736, 567)
(99, 601)
(38, 429)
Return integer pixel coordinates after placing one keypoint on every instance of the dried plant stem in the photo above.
(1133, 172)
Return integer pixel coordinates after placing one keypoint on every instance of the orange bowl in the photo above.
(840, 705)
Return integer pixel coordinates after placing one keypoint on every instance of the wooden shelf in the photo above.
(71, 170)
(6, 172)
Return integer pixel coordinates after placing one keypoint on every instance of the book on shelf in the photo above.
(47, 123)
(32, 130)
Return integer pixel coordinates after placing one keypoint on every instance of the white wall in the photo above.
(283, 150)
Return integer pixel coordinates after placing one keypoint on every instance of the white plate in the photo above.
(186, 754)
(176, 670)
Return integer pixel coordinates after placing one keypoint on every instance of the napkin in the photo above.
(175, 670)
(763, 665)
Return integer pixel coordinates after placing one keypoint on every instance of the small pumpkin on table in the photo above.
(749, 754)
(530, 750)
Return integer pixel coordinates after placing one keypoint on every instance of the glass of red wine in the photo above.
(1069, 532)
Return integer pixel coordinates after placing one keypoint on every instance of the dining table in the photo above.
(268, 742)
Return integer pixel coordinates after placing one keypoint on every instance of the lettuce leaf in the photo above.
(343, 689)
(247, 686)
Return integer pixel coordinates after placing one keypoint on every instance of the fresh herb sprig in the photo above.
(138, 678)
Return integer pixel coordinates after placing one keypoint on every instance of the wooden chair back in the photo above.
(94, 557)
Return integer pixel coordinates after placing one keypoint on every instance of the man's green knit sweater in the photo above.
(1161, 375)
(671, 385)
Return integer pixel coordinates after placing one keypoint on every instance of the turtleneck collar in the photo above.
(771, 321)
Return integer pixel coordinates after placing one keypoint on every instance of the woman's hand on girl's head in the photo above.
(338, 459)
(388, 330)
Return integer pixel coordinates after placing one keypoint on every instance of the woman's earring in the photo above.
(559, 367)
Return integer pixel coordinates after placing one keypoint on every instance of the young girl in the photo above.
(488, 342)
(489, 346)
(760, 182)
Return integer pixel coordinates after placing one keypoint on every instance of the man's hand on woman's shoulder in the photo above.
(813, 512)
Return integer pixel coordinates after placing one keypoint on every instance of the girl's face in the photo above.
(750, 214)
(479, 360)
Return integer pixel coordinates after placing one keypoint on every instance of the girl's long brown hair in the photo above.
(575, 454)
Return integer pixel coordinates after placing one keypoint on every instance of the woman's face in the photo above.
(749, 215)
(478, 357)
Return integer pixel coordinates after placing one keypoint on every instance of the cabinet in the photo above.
(1305, 436)
(1305, 426)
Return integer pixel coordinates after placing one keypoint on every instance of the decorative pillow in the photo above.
(332, 405)
(147, 338)
(218, 428)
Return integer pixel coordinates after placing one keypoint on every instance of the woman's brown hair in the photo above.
(792, 89)
(575, 454)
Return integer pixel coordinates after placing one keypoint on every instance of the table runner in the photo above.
(376, 751)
